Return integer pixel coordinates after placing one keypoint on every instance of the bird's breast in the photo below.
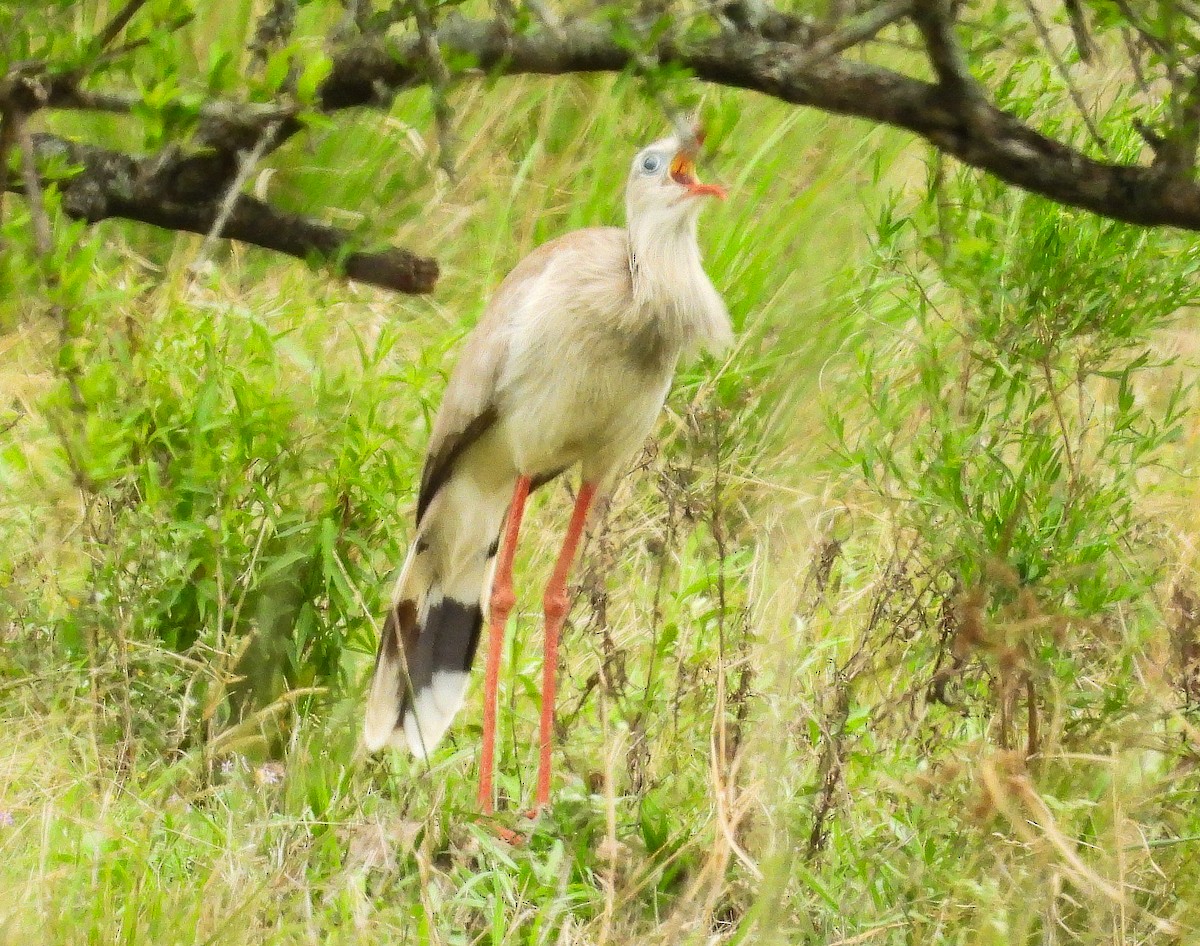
(586, 394)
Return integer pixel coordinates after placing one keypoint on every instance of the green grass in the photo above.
(745, 757)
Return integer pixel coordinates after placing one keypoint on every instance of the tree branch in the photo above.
(935, 20)
(953, 112)
(973, 130)
(99, 184)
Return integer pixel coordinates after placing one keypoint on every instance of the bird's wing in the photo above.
(473, 404)
(468, 410)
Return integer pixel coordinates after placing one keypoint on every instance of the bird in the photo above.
(568, 366)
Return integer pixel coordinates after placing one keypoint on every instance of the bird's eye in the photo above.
(651, 163)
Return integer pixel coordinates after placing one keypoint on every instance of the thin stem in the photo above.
(114, 26)
(248, 162)
(1060, 67)
(439, 83)
(859, 30)
(39, 219)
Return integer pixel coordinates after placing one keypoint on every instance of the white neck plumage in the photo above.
(671, 286)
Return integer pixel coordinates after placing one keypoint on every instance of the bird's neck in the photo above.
(662, 251)
(671, 287)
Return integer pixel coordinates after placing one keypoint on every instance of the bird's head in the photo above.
(663, 190)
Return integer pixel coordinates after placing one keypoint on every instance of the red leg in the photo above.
(556, 604)
(501, 605)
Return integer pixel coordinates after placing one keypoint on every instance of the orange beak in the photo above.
(683, 171)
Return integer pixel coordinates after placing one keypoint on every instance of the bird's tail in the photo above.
(425, 652)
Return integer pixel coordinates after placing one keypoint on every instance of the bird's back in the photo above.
(545, 284)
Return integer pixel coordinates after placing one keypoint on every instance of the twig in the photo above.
(1164, 50)
(439, 83)
(1176, 155)
(1083, 39)
(687, 132)
(506, 10)
(116, 52)
(7, 139)
(830, 767)
(858, 30)
(1052, 391)
(547, 17)
(1135, 61)
(1065, 74)
(225, 126)
(245, 167)
(114, 26)
(118, 103)
(273, 29)
(359, 13)
(124, 49)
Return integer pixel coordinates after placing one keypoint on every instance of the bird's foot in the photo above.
(508, 836)
(490, 825)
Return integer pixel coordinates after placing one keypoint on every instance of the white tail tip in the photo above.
(425, 722)
(379, 727)
(433, 710)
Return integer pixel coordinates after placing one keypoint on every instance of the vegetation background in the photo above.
(891, 635)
